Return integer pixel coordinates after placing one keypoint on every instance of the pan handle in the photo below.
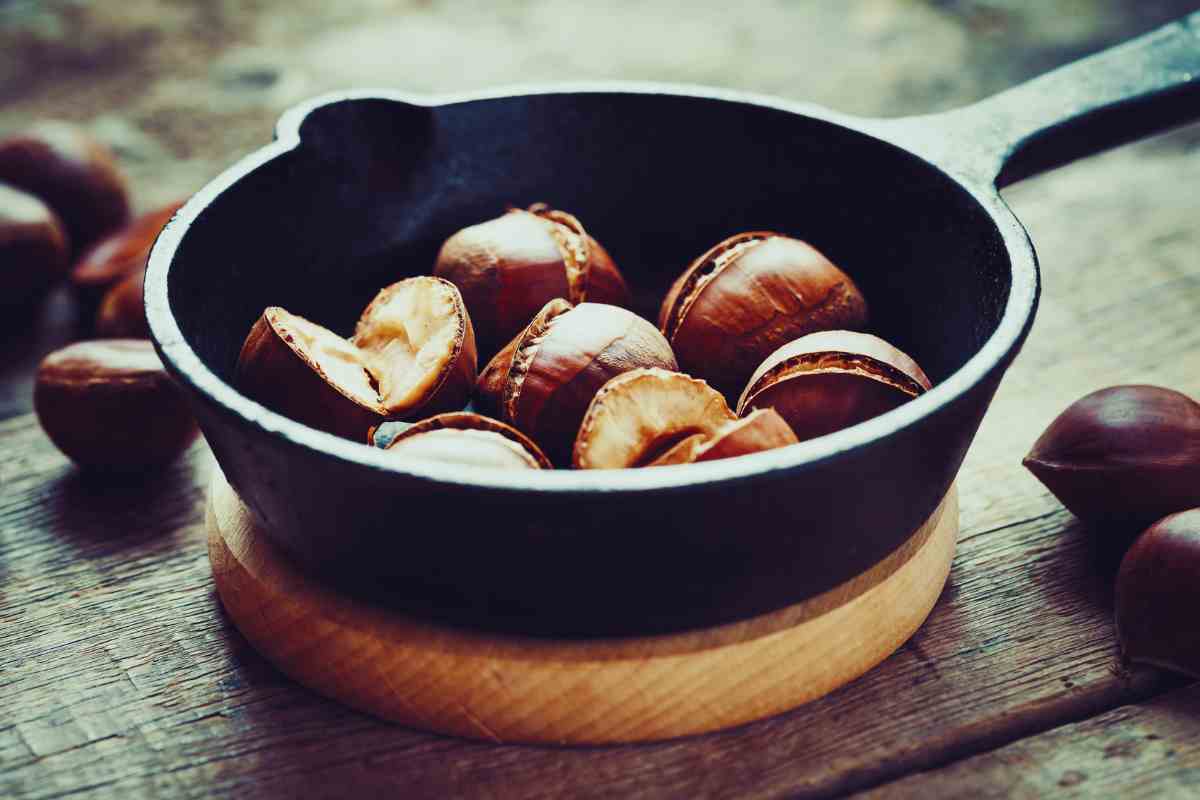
(1143, 86)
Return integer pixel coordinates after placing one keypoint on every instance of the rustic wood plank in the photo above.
(119, 672)
(1151, 749)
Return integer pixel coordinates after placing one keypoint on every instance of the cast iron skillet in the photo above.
(360, 189)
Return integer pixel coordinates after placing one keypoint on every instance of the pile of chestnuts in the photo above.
(1127, 459)
(65, 217)
(759, 344)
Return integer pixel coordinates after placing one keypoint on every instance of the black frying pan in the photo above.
(360, 189)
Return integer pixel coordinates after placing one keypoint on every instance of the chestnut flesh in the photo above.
(72, 173)
(828, 381)
(33, 251)
(469, 439)
(749, 295)
(544, 381)
(509, 267)
(110, 406)
(1123, 456)
(119, 254)
(1158, 592)
(412, 354)
(638, 415)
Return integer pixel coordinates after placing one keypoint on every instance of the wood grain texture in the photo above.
(1147, 750)
(119, 675)
(510, 689)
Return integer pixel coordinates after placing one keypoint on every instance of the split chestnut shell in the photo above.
(509, 267)
(412, 353)
(828, 381)
(749, 295)
(469, 439)
(544, 380)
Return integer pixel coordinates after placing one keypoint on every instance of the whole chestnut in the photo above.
(72, 173)
(33, 251)
(1158, 592)
(509, 267)
(749, 295)
(831, 380)
(122, 312)
(543, 382)
(119, 254)
(469, 439)
(1124, 456)
(639, 415)
(412, 353)
(110, 406)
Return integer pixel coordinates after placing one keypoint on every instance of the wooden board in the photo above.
(119, 673)
(1148, 750)
(512, 689)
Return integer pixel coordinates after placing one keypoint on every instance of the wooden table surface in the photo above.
(119, 672)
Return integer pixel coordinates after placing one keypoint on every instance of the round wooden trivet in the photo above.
(512, 689)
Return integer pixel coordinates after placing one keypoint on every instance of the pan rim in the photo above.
(187, 367)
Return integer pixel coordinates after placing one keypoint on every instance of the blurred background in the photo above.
(180, 89)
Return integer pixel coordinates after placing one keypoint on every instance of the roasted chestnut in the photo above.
(412, 354)
(119, 254)
(72, 173)
(1124, 456)
(110, 406)
(1158, 592)
(762, 429)
(469, 439)
(122, 313)
(33, 252)
(639, 415)
(748, 296)
(831, 380)
(543, 382)
(509, 267)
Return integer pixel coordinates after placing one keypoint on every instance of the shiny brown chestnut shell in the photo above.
(1124, 456)
(749, 295)
(33, 252)
(412, 354)
(639, 415)
(72, 173)
(111, 407)
(463, 437)
(509, 267)
(828, 381)
(1158, 593)
(122, 312)
(120, 254)
(544, 381)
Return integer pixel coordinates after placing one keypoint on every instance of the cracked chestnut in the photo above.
(469, 439)
(72, 173)
(639, 415)
(748, 296)
(110, 406)
(33, 251)
(1158, 591)
(762, 429)
(828, 381)
(509, 267)
(412, 354)
(543, 382)
(1124, 456)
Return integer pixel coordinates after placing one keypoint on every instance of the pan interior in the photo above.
(377, 185)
